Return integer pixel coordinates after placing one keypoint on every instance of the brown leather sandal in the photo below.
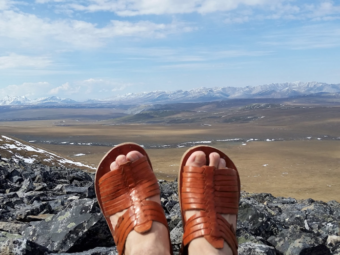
(213, 192)
(127, 188)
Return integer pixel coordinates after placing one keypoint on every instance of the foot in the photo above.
(155, 241)
(201, 245)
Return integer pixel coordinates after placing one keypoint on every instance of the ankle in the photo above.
(154, 242)
(149, 250)
(200, 246)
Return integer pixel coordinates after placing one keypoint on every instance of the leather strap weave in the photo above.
(213, 192)
(127, 188)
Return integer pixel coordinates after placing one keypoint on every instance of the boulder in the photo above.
(295, 241)
(19, 246)
(78, 228)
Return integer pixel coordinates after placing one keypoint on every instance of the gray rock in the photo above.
(166, 189)
(255, 218)
(20, 246)
(245, 237)
(176, 234)
(79, 176)
(249, 248)
(34, 209)
(70, 189)
(12, 227)
(15, 176)
(294, 241)
(95, 251)
(26, 186)
(78, 228)
(170, 204)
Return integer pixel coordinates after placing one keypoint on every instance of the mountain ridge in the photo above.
(273, 90)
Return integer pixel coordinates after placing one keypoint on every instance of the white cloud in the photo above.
(30, 30)
(233, 9)
(198, 54)
(284, 10)
(5, 4)
(31, 90)
(18, 61)
(158, 7)
(78, 90)
(306, 37)
(90, 88)
(64, 88)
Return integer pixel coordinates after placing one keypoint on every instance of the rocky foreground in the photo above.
(50, 210)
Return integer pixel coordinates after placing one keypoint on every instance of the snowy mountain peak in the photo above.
(273, 90)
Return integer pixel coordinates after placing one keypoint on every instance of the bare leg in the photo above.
(200, 246)
(155, 241)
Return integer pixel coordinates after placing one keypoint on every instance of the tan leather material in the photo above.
(213, 192)
(127, 189)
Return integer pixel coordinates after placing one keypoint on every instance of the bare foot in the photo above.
(155, 241)
(201, 245)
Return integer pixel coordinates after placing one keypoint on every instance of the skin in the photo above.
(155, 241)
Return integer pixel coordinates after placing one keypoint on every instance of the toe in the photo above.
(134, 155)
(222, 164)
(214, 159)
(121, 159)
(197, 159)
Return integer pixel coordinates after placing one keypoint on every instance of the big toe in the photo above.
(134, 156)
(197, 159)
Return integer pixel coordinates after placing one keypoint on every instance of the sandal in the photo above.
(213, 192)
(127, 188)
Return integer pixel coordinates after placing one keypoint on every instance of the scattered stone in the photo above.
(95, 251)
(294, 241)
(255, 249)
(21, 247)
(46, 210)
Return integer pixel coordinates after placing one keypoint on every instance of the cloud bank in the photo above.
(78, 90)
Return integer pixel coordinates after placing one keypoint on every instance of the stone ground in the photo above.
(53, 210)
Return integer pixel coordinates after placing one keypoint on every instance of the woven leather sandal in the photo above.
(127, 188)
(213, 192)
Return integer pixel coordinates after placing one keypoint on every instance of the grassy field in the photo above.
(303, 161)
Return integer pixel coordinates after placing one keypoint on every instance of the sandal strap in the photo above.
(213, 192)
(127, 188)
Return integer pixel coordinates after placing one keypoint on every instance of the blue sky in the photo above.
(102, 48)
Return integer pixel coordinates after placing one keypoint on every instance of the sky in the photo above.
(99, 49)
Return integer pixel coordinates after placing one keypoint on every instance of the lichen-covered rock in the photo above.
(31, 192)
(78, 228)
(34, 209)
(294, 241)
(95, 251)
(19, 246)
(249, 248)
(176, 234)
(13, 228)
(244, 237)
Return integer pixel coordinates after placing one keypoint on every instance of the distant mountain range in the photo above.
(274, 90)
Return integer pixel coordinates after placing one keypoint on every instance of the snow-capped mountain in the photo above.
(14, 100)
(274, 90)
(41, 101)
(53, 100)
